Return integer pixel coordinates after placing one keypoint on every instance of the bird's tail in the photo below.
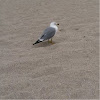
(38, 41)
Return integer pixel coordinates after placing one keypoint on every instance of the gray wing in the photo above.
(48, 33)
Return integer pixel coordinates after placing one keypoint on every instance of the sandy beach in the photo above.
(67, 69)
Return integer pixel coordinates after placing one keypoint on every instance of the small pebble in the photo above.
(84, 36)
(76, 28)
(61, 29)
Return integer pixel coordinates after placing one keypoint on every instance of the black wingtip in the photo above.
(38, 41)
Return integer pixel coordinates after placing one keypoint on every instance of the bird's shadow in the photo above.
(44, 44)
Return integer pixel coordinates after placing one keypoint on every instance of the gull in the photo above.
(48, 33)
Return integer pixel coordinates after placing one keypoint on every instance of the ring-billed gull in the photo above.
(48, 33)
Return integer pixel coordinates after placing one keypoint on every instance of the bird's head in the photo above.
(53, 23)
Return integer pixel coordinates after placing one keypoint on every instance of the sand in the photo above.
(67, 69)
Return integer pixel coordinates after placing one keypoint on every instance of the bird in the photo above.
(48, 33)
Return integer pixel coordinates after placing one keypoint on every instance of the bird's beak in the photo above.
(57, 24)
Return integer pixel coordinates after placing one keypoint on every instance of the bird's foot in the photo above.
(51, 42)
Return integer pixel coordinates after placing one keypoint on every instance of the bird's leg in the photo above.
(51, 40)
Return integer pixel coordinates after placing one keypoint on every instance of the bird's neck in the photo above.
(54, 26)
